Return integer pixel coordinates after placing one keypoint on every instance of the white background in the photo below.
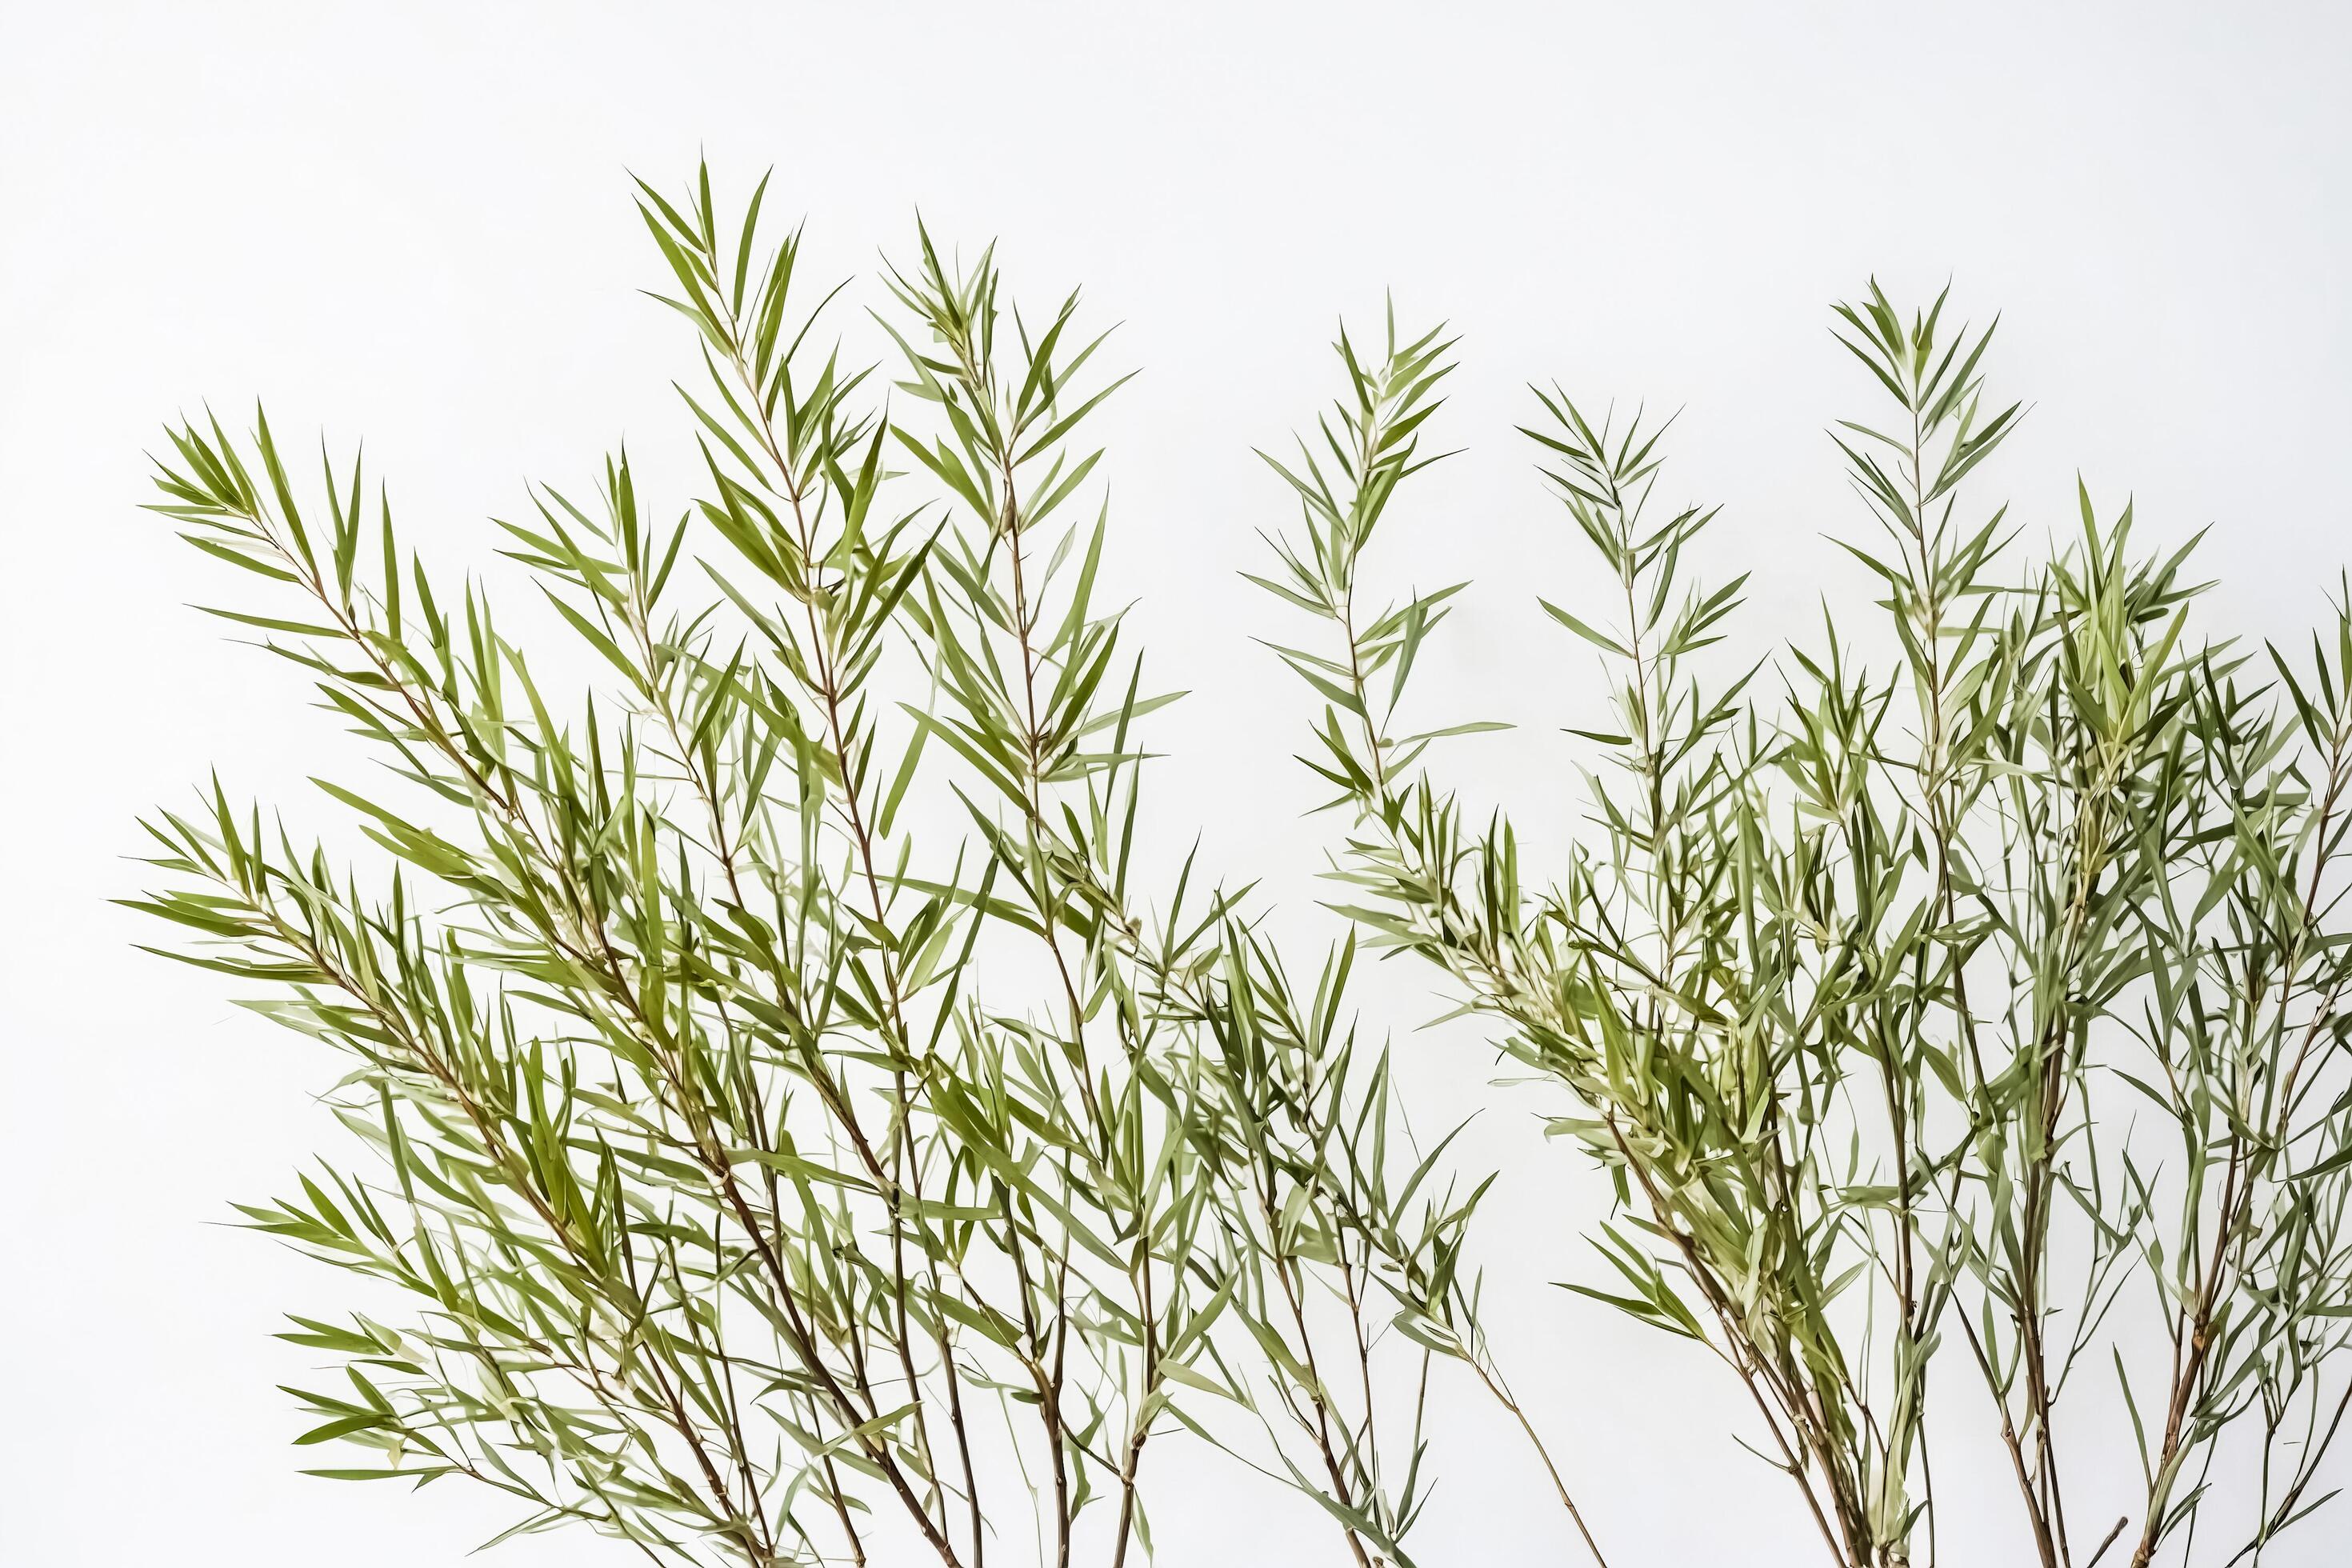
(411, 223)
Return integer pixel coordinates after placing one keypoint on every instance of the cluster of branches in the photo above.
(752, 1169)
(1986, 1010)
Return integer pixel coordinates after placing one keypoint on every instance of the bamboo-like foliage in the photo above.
(1978, 1007)
(798, 1121)
(742, 1178)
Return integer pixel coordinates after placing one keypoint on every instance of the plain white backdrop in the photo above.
(411, 223)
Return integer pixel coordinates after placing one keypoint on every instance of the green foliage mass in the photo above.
(755, 1171)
